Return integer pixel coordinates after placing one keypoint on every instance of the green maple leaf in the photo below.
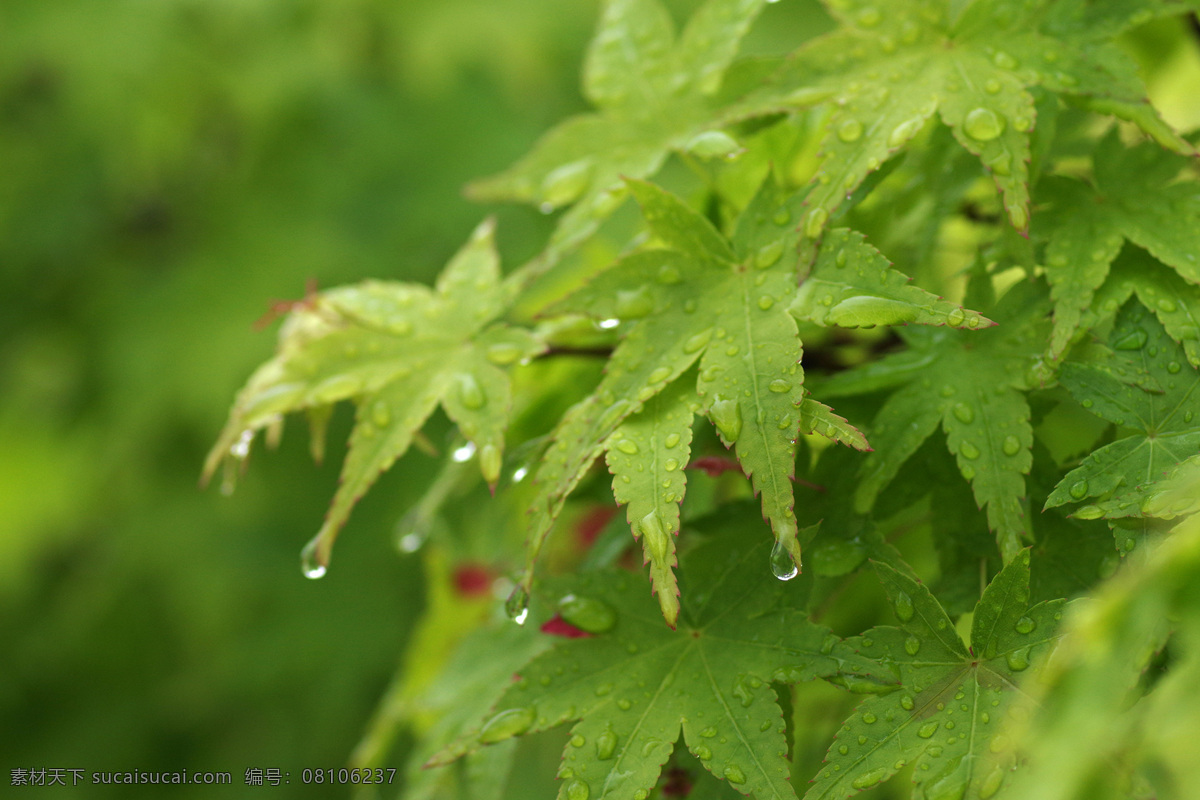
(973, 384)
(633, 687)
(396, 350)
(654, 92)
(893, 64)
(951, 701)
(1133, 198)
(1120, 477)
(1173, 300)
(724, 304)
(852, 285)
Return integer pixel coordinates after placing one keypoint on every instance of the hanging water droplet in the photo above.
(241, 448)
(311, 562)
(904, 607)
(983, 124)
(517, 605)
(1011, 446)
(726, 414)
(507, 724)
(782, 565)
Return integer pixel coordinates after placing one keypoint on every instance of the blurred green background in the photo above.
(167, 168)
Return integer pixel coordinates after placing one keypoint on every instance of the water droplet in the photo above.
(906, 702)
(814, 223)
(991, 784)
(905, 131)
(470, 392)
(668, 275)
(311, 562)
(726, 414)
(992, 86)
(779, 386)
(912, 645)
(624, 704)
(1173, 367)
(1025, 625)
(696, 342)
(507, 724)
(850, 131)
(587, 614)
(782, 565)
(565, 184)
(734, 774)
(1011, 446)
(577, 790)
(983, 124)
(672, 440)
(627, 446)
(869, 718)
(927, 730)
(955, 318)
(1018, 659)
(968, 450)
(517, 605)
(868, 779)
(489, 463)
(714, 144)
(608, 324)
(769, 254)
(766, 301)
(1134, 340)
(503, 353)
(1004, 61)
(904, 607)
(702, 752)
(708, 732)
(634, 303)
(606, 744)
(654, 537)
(964, 413)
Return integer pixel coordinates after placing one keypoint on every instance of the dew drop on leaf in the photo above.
(726, 414)
(577, 790)
(905, 131)
(702, 752)
(815, 222)
(606, 744)
(968, 450)
(587, 614)
(779, 386)
(507, 724)
(1018, 659)
(964, 414)
(912, 645)
(734, 774)
(634, 303)
(869, 779)
(782, 565)
(927, 730)
(1025, 625)
(696, 342)
(503, 353)
(627, 446)
(850, 131)
(769, 254)
(1011, 445)
(955, 317)
(904, 607)
(565, 184)
(983, 124)
(470, 392)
